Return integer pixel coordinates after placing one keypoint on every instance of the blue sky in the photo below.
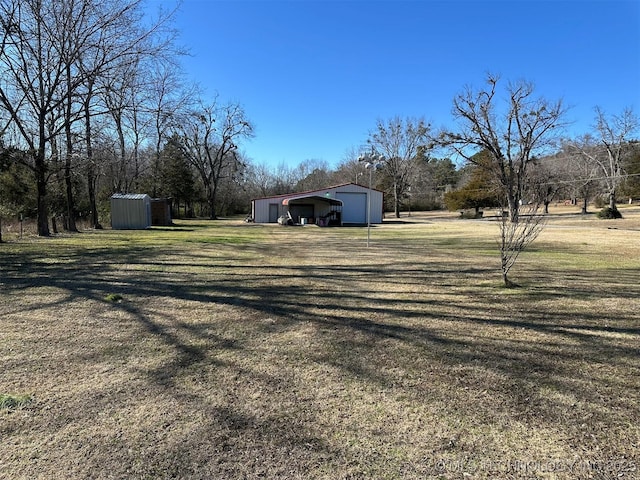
(315, 76)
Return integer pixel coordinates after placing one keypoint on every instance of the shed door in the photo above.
(354, 207)
(273, 213)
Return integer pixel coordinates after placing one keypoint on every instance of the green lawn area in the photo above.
(219, 349)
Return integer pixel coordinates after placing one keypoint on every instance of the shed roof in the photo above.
(130, 196)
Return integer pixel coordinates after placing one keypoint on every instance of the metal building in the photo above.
(344, 204)
(131, 211)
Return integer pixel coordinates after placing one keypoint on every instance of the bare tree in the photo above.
(168, 101)
(261, 179)
(286, 178)
(210, 140)
(546, 180)
(349, 170)
(606, 153)
(112, 64)
(44, 43)
(104, 54)
(399, 141)
(118, 95)
(33, 82)
(313, 174)
(516, 236)
(579, 175)
(513, 136)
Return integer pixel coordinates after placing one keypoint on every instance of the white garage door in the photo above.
(354, 207)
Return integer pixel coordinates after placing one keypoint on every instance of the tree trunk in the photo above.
(612, 200)
(513, 210)
(68, 179)
(41, 185)
(513, 201)
(122, 147)
(396, 200)
(71, 217)
(508, 283)
(213, 195)
(93, 205)
(212, 208)
(585, 204)
(91, 173)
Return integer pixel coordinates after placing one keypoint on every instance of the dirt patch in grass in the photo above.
(300, 353)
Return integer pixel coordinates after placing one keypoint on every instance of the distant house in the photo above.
(131, 211)
(344, 204)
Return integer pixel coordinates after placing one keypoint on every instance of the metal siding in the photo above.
(354, 207)
(376, 206)
(274, 212)
(130, 212)
(261, 210)
(376, 200)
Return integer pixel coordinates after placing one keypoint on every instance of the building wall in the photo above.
(264, 209)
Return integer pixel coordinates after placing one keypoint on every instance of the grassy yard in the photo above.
(229, 350)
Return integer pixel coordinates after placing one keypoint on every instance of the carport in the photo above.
(314, 209)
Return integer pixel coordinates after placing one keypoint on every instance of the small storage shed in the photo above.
(161, 211)
(131, 211)
(344, 204)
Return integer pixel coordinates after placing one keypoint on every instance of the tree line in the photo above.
(93, 102)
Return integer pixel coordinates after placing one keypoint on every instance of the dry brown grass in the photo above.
(226, 350)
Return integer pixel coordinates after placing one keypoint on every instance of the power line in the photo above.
(566, 182)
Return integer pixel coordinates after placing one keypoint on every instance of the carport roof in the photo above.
(311, 196)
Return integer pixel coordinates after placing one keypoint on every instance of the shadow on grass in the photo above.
(528, 343)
